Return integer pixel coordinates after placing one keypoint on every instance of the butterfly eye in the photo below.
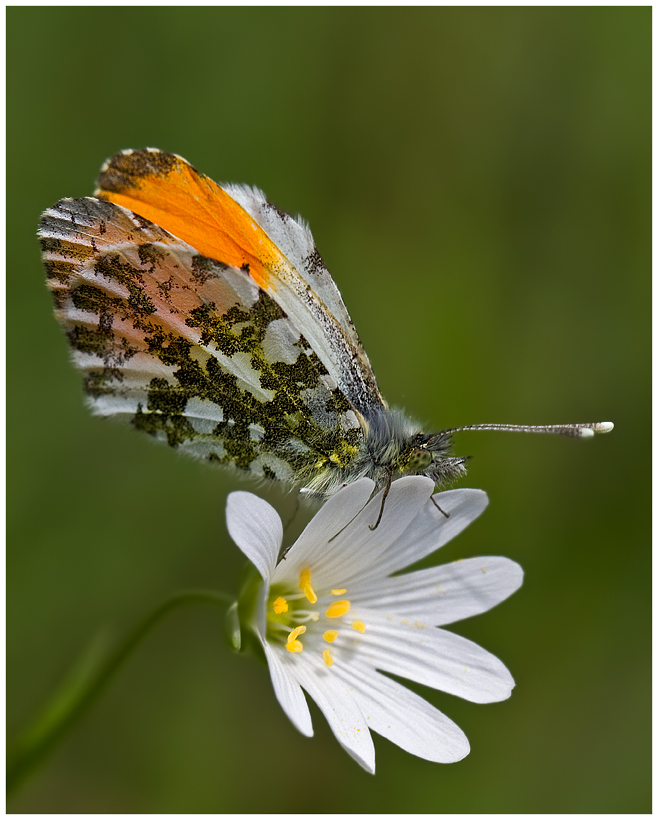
(419, 459)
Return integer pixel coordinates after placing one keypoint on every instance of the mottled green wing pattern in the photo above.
(191, 350)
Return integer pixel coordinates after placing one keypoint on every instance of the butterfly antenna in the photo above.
(573, 430)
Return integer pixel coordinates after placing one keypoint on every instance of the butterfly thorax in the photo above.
(393, 445)
(396, 446)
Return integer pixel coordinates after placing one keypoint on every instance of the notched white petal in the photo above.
(256, 528)
(337, 703)
(421, 652)
(429, 530)
(445, 594)
(317, 544)
(288, 692)
(406, 719)
(357, 548)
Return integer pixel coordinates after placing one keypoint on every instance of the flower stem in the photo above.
(84, 683)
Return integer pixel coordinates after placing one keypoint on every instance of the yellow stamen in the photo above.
(280, 605)
(337, 609)
(330, 635)
(294, 646)
(359, 626)
(327, 657)
(305, 585)
(338, 591)
(297, 631)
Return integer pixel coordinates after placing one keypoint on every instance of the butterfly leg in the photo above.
(447, 515)
(389, 478)
(290, 520)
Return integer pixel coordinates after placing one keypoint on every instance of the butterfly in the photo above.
(204, 316)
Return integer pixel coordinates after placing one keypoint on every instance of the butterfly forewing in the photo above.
(295, 240)
(167, 190)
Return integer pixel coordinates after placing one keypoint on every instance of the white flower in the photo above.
(331, 618)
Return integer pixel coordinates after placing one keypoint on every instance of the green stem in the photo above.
(83, 685)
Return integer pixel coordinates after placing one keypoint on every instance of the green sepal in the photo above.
(240, 621)
(232, 630)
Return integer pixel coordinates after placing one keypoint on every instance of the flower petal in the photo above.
(356, 548)
(404, 718)
(335, 699)
(430, 529)
(256, 528)
(434, 657)
(288, 691)
(317, 539)
(443, 595)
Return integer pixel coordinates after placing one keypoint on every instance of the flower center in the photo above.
(289, 617)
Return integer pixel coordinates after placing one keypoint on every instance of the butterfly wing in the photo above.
(237, 226)
(193, 350)
(295, 240)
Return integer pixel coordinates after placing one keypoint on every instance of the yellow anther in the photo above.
(337, 609)
(280, 605)
(338, 591)
(359, 626)
(297, 631)
(327, 657)
(305, 585)
(294, 646)
(304, 577)
(330, 635)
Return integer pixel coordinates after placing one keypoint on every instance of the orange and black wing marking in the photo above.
(168, 191)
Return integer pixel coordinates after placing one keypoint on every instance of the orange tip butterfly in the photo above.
(204, 316)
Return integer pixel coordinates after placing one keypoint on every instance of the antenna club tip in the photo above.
(593, 429)
(604, 427)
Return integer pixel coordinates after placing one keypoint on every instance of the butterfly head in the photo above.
(396, 446)
(428, 454)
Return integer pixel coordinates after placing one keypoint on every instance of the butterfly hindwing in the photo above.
(191, 349)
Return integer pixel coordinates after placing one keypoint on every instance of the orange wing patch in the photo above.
(170, 192)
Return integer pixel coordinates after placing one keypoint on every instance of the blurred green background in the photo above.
(478, 182)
